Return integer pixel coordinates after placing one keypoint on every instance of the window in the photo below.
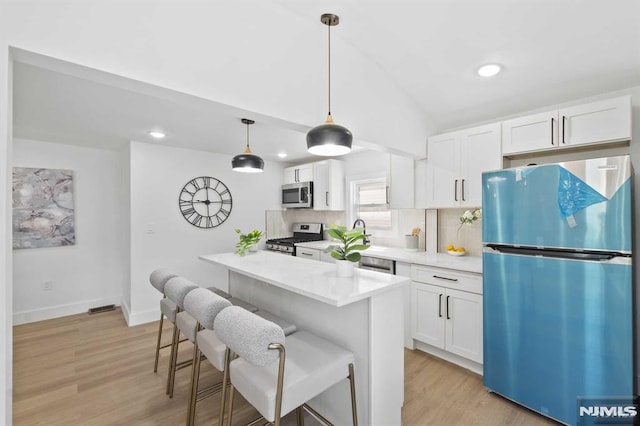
(370, 203)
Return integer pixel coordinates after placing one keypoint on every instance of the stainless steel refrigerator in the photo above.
(558, 292)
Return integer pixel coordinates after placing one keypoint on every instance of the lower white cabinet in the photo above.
(446, 310)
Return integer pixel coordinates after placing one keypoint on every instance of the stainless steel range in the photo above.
(302, 232)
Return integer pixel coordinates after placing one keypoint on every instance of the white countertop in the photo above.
(440, 260)
(310, 278)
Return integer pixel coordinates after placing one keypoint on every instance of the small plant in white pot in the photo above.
(347, 254)
(247, 241)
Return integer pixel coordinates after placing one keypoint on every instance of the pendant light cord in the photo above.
(247, 135)
(329, 61)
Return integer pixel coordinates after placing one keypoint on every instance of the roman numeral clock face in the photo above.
(205, 202)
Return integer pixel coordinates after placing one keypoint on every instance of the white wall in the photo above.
(6, 305)
(89, 273)
(158, 173)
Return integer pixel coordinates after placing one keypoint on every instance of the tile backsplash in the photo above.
(279, 223)
(450, 232)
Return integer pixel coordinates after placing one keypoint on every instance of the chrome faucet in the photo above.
(365, 240)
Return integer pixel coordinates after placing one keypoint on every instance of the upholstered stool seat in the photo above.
(168, 309)
(286, 326)
(201, 308)
(241, 303)
(219, 292)
(272, 385)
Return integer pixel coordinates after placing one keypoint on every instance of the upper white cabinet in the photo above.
(301, 173)
(328, 182)
(593, 123)
(328, 185)
(455, 162)
(401, 181)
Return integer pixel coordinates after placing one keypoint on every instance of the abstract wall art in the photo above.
(43, 211)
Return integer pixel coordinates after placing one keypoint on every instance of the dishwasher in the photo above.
(377, 264)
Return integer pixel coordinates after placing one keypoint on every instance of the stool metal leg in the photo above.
(155, 366)
(354, 407)
(280, 349)
(195, 377)
(300, 416)
(173, 360)
(228, 423)
(223, 391)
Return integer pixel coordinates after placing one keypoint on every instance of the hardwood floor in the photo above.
(94, 370)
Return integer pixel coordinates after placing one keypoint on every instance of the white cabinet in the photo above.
(593, 123)
(446, 310)
(328, 182)
(328, 185)
(295, 174)
(455, 162)
(401, 181)
(308, 253)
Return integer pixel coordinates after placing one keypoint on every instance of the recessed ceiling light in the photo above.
(489, 70)
(282, 154)
(157, 134)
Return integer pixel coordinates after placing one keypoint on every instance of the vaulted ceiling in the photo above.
(551, 51)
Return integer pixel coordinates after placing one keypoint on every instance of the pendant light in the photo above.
(247, 162)
(329, 139)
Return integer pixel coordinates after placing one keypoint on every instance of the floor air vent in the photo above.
(99, 309)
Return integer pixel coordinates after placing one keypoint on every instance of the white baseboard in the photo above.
(42, 314)
(126, 311)
(137, 318)
(448, 356)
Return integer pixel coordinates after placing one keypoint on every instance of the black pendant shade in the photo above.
(329, 139)
(247, 162)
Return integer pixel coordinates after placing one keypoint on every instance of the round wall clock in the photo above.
(205, 202)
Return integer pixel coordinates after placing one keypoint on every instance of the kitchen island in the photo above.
(363, 313)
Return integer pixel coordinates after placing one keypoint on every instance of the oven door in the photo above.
(297, 195)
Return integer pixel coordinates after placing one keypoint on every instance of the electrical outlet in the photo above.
(47, 285)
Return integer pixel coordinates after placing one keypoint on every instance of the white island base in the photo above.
(363, 314)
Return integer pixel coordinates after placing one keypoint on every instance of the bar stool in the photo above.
(186, 324)
(176, 289)
(204, 309)
(158, 279)
(204, 305)
(275, 389)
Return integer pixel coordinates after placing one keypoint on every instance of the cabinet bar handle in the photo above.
(386, 194)
(455, 190)
(462, 191)
(307, 254)
(448, 317)
(440, 306)
(552, 120)
(564, 126)
(445, 278)
(326, 198)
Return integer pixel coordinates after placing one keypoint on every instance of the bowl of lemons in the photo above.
(456, 251)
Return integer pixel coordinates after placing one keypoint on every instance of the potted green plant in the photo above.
(347, 254)
(247, 241)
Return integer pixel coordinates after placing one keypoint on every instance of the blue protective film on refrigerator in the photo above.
(574, 195)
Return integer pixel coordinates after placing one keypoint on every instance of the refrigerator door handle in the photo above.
(440, 306)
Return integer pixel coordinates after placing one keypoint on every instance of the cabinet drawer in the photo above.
(465, 281)
(306, 253)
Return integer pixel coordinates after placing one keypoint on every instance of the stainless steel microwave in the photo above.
(297, 195)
